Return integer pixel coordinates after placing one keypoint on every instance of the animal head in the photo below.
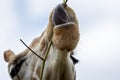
(62, 29)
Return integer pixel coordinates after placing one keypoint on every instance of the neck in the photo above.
(59, 65)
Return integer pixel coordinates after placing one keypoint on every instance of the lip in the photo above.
(60, 15)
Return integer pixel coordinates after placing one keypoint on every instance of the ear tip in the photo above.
(7, 54)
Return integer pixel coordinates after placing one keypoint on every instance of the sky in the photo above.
(98, 50)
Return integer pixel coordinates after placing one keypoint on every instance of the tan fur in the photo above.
(9, 55)
(59, 65)
(63, 36)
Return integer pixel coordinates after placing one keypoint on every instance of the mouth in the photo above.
(60, 15)
(65, 32)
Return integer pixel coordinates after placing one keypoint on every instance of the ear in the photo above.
(9, 55)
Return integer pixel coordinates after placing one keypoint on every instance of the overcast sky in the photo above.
(99, 46)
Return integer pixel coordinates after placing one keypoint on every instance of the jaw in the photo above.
(65, 32)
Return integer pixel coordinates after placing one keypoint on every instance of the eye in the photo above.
(14, 69)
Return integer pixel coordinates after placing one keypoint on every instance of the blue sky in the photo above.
(99, 46)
